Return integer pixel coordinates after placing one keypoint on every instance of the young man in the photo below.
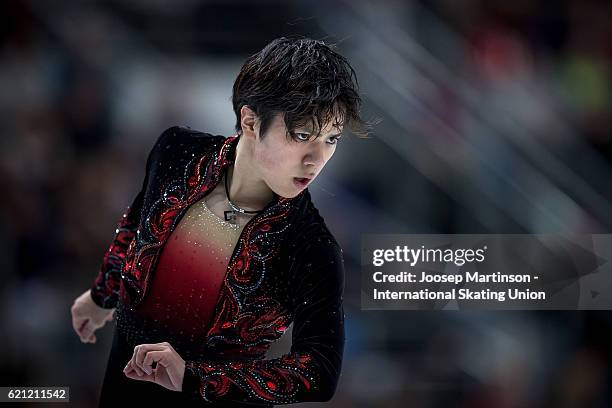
(222, 249)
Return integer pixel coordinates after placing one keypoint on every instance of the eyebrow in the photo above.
(310, 132)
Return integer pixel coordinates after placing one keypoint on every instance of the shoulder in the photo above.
(184, 134)
(307, 218)
(310, 234)
(188, 140)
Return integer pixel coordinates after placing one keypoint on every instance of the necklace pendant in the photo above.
(230, 216)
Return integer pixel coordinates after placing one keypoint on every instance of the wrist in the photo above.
(97, 300)
(97, 309)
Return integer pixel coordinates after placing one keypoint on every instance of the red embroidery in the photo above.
(244, 317)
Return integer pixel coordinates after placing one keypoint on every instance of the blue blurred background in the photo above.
(495, 118)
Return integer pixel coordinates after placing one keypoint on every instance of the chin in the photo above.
(291, 194)
(288, 193)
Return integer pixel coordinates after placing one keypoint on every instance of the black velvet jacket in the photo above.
(286, 268)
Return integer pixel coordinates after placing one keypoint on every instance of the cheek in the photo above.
(328, 155)
(331, 153)
(272, 162)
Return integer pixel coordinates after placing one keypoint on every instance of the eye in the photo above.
(301, 136)
(334, 139)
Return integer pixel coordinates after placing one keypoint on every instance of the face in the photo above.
(288, 165)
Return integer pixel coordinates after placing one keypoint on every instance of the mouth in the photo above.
(301, 182)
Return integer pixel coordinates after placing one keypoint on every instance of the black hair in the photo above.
(303, 79)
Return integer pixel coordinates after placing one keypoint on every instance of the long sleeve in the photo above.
(310, 371)
(105, 289)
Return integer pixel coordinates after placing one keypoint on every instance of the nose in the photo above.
(315, 157)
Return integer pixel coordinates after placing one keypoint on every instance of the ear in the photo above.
(249, 123)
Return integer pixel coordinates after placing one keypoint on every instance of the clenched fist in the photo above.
(87, 317)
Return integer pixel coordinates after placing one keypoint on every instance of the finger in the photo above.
(165, 344)
(128, 367)
(77, 324)
(148, 377)
(169, 362)
(137, 370)
(82, 325)
(143, 349)
(139, 354)
(176, 377)
(74, 311)
(154, 357)
(86, 332)
(131, 373)
(132, 362)
(165, 359)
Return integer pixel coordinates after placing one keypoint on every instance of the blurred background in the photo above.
(495, 118)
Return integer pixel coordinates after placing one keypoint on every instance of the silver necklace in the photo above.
(231, 215)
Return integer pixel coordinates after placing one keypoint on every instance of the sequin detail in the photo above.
(264, 289)
(190, 272)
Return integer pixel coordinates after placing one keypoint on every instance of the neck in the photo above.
(246, 189)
